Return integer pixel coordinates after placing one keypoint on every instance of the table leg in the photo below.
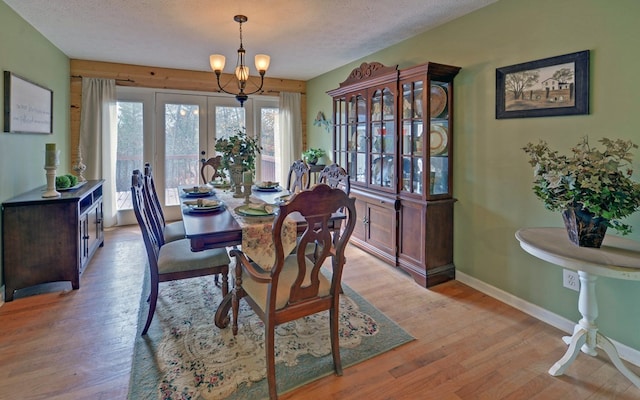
(605, 344)
(575, 342)
(585, 334)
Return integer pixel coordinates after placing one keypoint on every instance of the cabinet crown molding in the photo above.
(368, 71)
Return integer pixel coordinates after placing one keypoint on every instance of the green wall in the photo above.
(25, 52)
(492, 179)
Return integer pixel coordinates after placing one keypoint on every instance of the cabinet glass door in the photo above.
(439, 138)
(412, 138)
(358, 143)
(382, 131)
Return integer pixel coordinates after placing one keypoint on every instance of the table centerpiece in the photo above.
(239, 152)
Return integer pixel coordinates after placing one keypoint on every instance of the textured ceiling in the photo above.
(305, 38)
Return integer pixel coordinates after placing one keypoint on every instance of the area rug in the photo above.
(185, 356)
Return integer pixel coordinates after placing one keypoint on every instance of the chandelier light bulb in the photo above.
(217, 62)
(262, 62)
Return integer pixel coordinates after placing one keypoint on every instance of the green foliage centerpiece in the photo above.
(592, 187)
(239, 152)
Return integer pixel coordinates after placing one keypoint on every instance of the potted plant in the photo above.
(591, 183)
(239, 152)
(311, 156)
(239, 149)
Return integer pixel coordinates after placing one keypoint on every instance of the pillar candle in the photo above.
(248, 175)
(50, 155)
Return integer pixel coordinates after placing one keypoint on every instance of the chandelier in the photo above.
(242, 71)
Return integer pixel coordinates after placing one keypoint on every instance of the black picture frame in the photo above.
(28, 107)
(547, 87)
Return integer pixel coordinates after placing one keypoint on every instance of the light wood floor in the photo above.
(78, 344)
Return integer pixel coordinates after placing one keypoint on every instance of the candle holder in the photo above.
(247, 183)
(79, 167)
(51, 162)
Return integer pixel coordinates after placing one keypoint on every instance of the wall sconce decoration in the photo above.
(322, 121)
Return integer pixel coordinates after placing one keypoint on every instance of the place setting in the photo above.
(267, 186)
(256, 210)
(198, 191)
(203, 205)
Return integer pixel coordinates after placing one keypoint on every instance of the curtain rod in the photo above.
(117, 80)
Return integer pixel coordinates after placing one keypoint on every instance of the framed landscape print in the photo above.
(547, 87)
(28, 107)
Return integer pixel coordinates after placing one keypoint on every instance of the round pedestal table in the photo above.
(618, 258)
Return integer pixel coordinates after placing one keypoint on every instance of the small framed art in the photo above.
(547, 87)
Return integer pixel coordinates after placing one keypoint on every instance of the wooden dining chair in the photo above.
(213, 163)
(170, 231)
(298, 178)
(171, 260)
(295, 286)
(336, 177)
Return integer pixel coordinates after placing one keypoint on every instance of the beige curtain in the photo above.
(290, 138)
(98, 138)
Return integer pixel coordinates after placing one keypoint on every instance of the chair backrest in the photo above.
(150, 188)
(299, 178)
(144, 216)
(214, 163)
(336, 177)
(152, 203)
(316, 206)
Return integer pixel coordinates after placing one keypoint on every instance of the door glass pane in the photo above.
(182, 166)
(129, 153)
(269, 141)
(229, 120)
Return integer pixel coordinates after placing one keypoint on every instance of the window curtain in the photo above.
(98, 138)
(290, 138)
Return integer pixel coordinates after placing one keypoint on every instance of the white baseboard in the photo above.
(626, 353)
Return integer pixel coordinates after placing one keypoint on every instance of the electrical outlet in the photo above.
(570, 279)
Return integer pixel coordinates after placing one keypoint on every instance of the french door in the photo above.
(186, 129)
(175, 130)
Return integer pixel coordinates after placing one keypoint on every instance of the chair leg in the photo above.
(225, 280)
(334, 318)
(269, 345)
(153, 298)
(235, 308)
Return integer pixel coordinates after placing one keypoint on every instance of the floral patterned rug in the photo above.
(185, 356)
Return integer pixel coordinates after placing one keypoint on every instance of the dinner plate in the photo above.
(282, 199)
(249, 210)
(203, 205)
(438, 100)
(438, 139)
(198, 191)
(204, 209)
(268, 189)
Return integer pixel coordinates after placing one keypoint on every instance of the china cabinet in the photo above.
(50, 239)
(393, 133)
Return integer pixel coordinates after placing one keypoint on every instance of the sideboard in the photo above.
(50, 239)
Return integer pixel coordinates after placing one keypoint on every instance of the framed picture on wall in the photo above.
(542, 88)
(28, 107)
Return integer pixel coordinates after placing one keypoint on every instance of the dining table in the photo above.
(234, 223)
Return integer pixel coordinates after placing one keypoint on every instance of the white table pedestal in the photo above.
(618, 258)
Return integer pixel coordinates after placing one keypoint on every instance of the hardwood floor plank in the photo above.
(68, 344)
